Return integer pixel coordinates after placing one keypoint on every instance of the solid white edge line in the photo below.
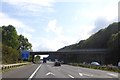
(34, 72)
(86, 74)
(70, 76)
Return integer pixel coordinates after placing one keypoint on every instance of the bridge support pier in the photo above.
(33, 58)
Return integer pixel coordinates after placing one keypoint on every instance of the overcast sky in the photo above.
(52, 24)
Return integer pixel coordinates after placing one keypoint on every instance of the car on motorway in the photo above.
(57, 63)
(95, 63)
(44, 60)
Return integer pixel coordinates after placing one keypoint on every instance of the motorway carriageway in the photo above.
(49, 71)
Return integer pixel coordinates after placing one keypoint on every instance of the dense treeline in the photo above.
(12, 44)
(107, 38)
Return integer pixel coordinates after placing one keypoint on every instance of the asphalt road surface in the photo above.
(49, 71)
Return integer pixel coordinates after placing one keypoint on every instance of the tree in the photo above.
(9, 55)
(37, 59)
(24, 43)
(113, 46)
(9, 36)
(11, 44)
(113, 43)
(30, 58)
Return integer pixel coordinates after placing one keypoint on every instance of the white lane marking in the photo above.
(34, 72)
(70, 76)
(87, 75)
(80, 74)
(50, 73)
(112, 74)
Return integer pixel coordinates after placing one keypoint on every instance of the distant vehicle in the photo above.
(44, 60)
(57, 63)
(95, 63)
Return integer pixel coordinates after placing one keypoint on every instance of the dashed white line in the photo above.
(34, 72)
(70, 76)
(80, 74)
(87, 75)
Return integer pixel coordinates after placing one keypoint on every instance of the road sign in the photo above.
(25, 55)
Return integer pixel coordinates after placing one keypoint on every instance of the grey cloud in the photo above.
(99, 24)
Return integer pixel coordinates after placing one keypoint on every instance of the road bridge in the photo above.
(82, 52)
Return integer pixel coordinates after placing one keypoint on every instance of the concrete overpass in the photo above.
(69, 52)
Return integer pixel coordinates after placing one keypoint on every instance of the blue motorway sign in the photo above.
(25, 55)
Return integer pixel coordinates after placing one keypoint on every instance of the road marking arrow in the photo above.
(50, 73)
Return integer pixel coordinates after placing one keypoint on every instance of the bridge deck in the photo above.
(81, 51)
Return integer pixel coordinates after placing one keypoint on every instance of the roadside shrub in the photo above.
(9, 55)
